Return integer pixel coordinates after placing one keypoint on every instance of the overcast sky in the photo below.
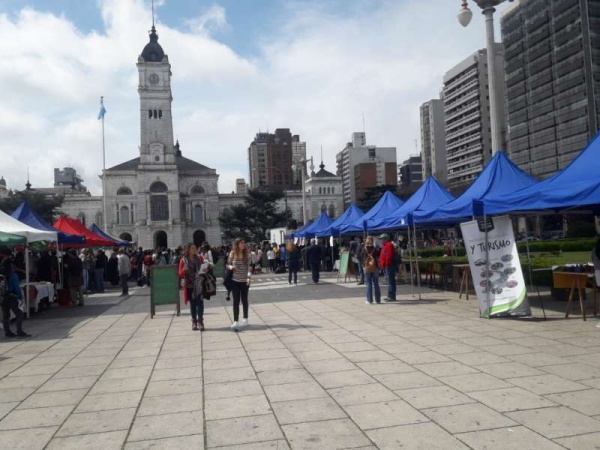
(239, 66)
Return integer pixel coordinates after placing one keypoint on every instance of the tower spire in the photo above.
(28, 184)
(322, 166)
(153, 15)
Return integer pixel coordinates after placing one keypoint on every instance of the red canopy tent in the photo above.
(74, 226)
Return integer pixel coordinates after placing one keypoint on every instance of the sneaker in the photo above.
(10, 334)
(23, 335)
(368, 302)
(194, 325)
(201, 324)
(235, 326)
(244, 323)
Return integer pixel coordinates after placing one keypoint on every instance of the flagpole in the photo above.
(103, 172)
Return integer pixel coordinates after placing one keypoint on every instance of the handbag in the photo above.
(228, 281)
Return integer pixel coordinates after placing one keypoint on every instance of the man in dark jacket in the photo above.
(314, 256)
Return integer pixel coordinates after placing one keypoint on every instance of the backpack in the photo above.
(370, 263)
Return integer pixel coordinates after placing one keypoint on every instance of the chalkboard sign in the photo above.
(164, 289)
(344, 260)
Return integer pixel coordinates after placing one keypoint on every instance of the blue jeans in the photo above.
(196, 305)
(99, 280)
(372, 280)
(391, 276)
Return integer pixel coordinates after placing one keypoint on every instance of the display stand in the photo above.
(573, 281)
(164, 289)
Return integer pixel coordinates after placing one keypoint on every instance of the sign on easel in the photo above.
(344, 270)
(498, 280)
(164, 289)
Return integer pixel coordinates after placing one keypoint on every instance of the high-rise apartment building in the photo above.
(467, 115)
(552, 52)
(411, 171)
(270, 158)
(433, 140)
(363, 166)
(298, 155)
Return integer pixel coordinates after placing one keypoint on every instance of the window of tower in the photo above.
(149, 114)
(155, 114)
(160, 113)
(159, 202)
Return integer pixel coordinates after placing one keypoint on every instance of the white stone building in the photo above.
(325, 193)
(161, 198)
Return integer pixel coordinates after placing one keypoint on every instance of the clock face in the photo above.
(153, 79)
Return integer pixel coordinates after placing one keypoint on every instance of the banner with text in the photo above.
(498, 282)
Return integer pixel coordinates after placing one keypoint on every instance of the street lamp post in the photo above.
(303, 167)
(464, 18)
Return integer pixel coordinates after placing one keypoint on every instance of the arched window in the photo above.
(155, 114)
(81, 217)
(160, 113)
(124, 216)
(333, 190)
(331, 211)
(197, 190)
(323, 207)
(149, 114)
(124, 191)
(320, 191)
(159, 201)
(198, 214)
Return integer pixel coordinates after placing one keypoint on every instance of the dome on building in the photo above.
(2, 182)
(153, 52)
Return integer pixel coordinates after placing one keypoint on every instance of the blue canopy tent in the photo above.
(351, 214)
(320, 223)
(499, 177)
(429, 197)
(119, 243)
(383, 208)
(576, 187)
(26, 215)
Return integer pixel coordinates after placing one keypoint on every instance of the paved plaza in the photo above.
(317, 369)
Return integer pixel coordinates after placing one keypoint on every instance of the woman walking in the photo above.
(370, 256)
(239, 263)
(293, 257)
(189, 267)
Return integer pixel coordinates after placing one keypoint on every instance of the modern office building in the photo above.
(363, 166)
(411, 171)
(433, 140)
(270, 158)
(552, 52)
(467, 116)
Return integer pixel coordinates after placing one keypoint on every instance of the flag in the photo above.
(102, 109)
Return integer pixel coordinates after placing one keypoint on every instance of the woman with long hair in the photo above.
(293, 257)
(239, 263)
(189, 267)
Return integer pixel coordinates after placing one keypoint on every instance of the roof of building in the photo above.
(153, 52)
(323, 173)
(183, 164)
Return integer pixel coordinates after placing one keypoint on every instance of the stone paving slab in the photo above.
(324, 374)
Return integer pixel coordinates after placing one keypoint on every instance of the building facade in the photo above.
(433, 140)
(552, 52)
(270, 159)
(363, 166)
(324, 192)
(161, 198)
(467, 116)
(411, 171)
(298, 155)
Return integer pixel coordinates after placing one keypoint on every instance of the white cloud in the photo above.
(317, 73)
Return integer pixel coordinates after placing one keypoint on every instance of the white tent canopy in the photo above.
(11, 225)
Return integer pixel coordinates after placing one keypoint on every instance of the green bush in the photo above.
(566, 245)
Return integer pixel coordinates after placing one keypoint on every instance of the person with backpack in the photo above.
(370, 255)
(189, 268)
(388, 262)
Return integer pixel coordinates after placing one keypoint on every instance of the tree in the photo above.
(47, 207)
(255, 217)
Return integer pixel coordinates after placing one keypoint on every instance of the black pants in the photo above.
(124, 284)
(9, 305)
(196, 305)
(315, 272)
(295, 272)
(272, 265)
(240, 292)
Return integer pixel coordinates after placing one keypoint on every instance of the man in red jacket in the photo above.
(386, 262)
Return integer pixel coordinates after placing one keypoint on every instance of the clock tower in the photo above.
(156, 121)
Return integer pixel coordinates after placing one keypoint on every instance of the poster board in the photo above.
(164, 289)
(344, 265)
(498, 280)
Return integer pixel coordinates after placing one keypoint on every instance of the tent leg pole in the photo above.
(416, 259)
(410, 262)
(27, 280)
(487, 267)
(531, 272)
